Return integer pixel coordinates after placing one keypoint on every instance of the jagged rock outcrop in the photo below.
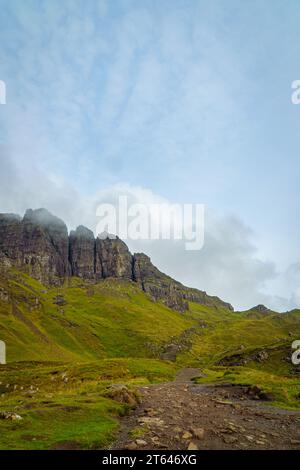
(113, 259)
(39, 245)
(158, 285)
(201, 297)
(82, 252)
(162, 287)
(259, 311)
(260, 308)
(11, 237)
(45, 245)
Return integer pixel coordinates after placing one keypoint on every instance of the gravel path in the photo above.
(181, 415)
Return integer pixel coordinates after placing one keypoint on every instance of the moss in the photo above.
(285, 389)
(61, 358)
(64, 405)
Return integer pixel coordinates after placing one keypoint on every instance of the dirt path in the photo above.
(181, 415)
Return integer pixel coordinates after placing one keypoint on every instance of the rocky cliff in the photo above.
(39, 244)
(113, 258)
(164, 288)
(82, 253)
(158, 285)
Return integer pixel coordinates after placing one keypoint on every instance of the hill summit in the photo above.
(39, 244)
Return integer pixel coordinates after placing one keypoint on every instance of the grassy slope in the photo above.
(107, 320)
(112, 332)
(226, 333)
(72, 413)
(284, 388)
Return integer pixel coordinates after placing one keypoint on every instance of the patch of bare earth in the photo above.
(67, 445)
(181, 415)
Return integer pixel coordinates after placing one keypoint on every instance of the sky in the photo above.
(180, 101)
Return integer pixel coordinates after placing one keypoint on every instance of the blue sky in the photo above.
(189, 101)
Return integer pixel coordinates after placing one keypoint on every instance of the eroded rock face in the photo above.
(201, 297)
(11, 236)
(82, 253)
(113, 259)
(39, 245)
(261, 308)
(45, 245)
(162, 287)
(259, 311)
(158, 285)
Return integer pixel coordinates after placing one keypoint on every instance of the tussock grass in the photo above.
(61, 357)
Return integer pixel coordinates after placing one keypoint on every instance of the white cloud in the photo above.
(227, 266)
(151, 96)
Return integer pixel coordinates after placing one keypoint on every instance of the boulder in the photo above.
(122, 394)
(198, 433)
(10, 416)
(192, 446)
(256, 393)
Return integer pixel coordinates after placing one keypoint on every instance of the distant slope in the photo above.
(81, 321)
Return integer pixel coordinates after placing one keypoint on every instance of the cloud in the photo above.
(227, 265)
(106, 92)
(292, 280)
(98, 96)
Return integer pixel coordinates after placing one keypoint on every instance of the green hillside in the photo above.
(66, 345)
(85, 322)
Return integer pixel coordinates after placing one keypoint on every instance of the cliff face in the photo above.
(158, 285)
(82, 253)
(162, 287)
(39, 244)
(11, 237)
(45, 245)
(113, 259)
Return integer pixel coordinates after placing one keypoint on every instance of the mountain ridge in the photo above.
(40, 245)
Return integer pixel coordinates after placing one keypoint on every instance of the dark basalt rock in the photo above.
(158, 285)
(82, 252)
(45, 245)
(260, 308)
(259, 311)
(113, 259)
(11, 237)
(201, 297)
(39, 245)
(162, 287)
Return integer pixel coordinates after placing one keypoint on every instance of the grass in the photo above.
(285, 389)
(62, 357)
(137, 433)
(110, 319)
(116, 319)
(72, 413)
(226, 333)
(85, 424)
